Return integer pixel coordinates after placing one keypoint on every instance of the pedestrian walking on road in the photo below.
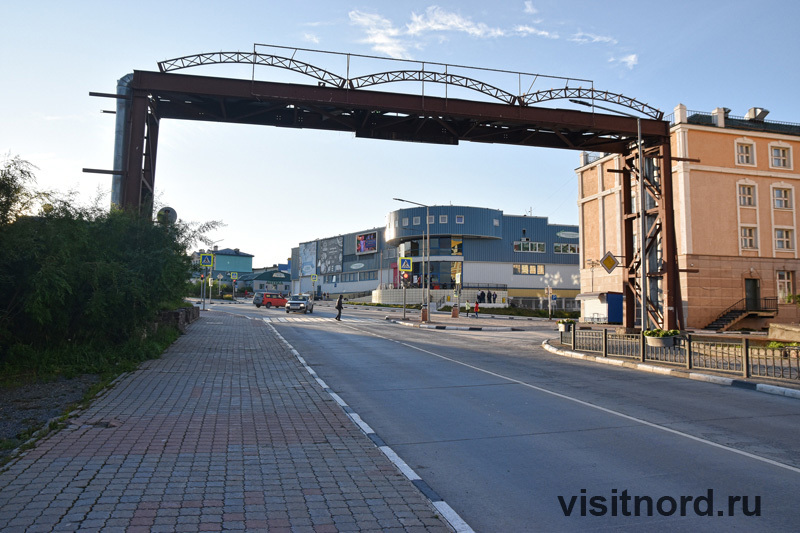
(477, 308)
(339, 307)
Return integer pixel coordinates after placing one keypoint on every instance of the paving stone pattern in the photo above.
(225, 432)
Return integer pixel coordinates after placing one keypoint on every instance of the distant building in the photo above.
(471, 248)
(735, 201)
(226, 262)
(272, 279)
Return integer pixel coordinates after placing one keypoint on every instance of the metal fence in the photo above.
(708, 352)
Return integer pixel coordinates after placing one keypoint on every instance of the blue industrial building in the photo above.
(471, 248)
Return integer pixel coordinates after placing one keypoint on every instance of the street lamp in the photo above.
(642, 197)
(426, 255)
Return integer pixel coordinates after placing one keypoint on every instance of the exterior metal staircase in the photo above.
(744, 308)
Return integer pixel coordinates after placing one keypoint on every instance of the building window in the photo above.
(785, 285)
(525, 246)
(367, 276)
(431, 219)
(780, 157)
(783, 239)
(564, 248)
(416, 221)
(781, 198)
(442, 219)
(456, 245)
(496, 222)
(747, 195)
(529, 270)
(744, 154)
(459, 219)
(405, 221)
(749, 241)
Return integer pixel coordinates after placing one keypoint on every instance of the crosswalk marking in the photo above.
(314, 319)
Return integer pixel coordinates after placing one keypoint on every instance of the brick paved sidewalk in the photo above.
(226, 431)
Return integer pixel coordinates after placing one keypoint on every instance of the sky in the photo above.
(274, 188)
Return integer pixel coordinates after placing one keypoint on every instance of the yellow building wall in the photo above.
(708, 219)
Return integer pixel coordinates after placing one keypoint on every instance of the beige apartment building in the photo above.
(735, 186)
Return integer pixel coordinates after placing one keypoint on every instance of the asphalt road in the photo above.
(517, 439)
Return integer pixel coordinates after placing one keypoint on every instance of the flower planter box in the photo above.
(565, 327)
(661, 342)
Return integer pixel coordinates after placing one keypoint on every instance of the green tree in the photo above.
(83, 278)
(16, 193)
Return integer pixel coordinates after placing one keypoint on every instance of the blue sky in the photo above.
(275, 188)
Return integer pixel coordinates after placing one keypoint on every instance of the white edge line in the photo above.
(338, 399)
(363, 425)
(399, 463)
(452, 517)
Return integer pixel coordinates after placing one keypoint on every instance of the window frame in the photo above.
(787, 240)
(784, 160)
(752, 237)
(786, 199)
(750, 155)
(744, 197)
(784, 285)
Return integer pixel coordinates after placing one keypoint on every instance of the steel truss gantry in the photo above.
(341, 103)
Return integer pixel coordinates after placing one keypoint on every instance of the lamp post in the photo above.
(642, 210)
(426, 255)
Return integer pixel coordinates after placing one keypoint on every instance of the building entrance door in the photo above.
(752, 294)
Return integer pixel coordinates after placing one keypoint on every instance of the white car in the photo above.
(300, 302)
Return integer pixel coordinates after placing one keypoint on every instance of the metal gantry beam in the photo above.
(338, 103)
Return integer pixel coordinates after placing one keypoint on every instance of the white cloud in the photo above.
(529, 30)
(437, 19)
(311, 38)
(381, 34)
(629, 61)
(583, 38)
(529, 9)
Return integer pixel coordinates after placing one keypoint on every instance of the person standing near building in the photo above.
(339, 307)
(466, 307)
(477, 308)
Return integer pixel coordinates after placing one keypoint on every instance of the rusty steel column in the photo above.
(673, 306)
(132, 178)
(630, 294)
(149, 163)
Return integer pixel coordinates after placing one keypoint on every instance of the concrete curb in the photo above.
(457, 328)
(674, 372)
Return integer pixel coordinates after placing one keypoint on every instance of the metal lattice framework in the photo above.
(433, 77)
(252, 58)
(593, 94)
(327, 77)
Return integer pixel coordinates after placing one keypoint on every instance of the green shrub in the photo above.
(661, 332)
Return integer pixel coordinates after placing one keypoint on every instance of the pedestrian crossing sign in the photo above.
(207, 260)
(404, 264)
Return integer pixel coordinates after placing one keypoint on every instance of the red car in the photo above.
(269, 299)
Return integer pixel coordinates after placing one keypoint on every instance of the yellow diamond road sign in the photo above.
(609, 262)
